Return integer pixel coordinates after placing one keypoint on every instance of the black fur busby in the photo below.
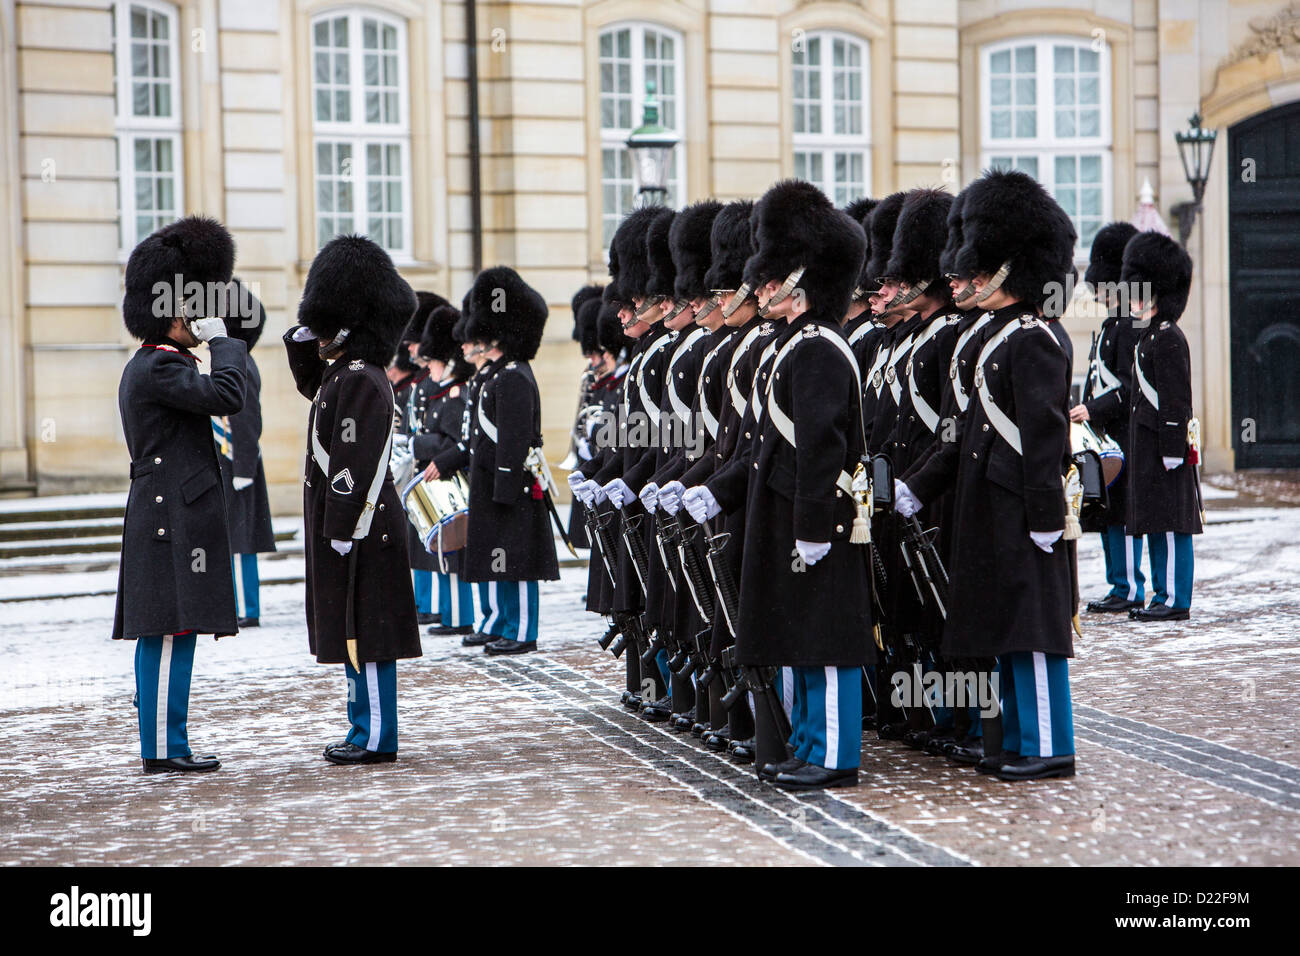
(860, 212)
(1008, 216)
(437, 342)
(244, 314)
(609, 330)
(352, 284)
(585, 294)
(1106, 260)
(880, 234)
(689, 240)
(505, 309)
(197, 250)
(1164, 267)
(948, 258)
(919, 238)
(425, 305)
(629, 268)
(730, 246)
(794, 225)
(659, 255)
(588, 333)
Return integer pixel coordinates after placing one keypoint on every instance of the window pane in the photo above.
(1025, 59)
(1026, 91)
(321, 33)
(342, 108)
(322, 105)
(1089, 60)
(1090, 169)
(1065, 123)
(1063, 59)
(369, 34)
(162, 99)
(341, 31)
(1064, 90)
(372, 107)
(139, 59)
(1026, 124)
(1000, 62)
(143, 156)
(1065, 170)
(1089, 122)
(166, 200)
(164, 156)
(143, 192)
(139, 22)
(321, 61)
(373, 164)
(1000, 91)
(370, 64)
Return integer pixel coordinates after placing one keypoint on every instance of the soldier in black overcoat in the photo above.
(360, 607)
(584, 333)
(1164, 492)
(1107, 398)
(510, 546)
(174, 579)
(251, 532)
(1011, 594)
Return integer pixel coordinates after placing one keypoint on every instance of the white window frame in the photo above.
(615, 138)
(1045, 146)
(360, 134)
(827, 143)
(131, 128)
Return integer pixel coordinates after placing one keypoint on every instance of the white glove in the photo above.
(905, 503)
(1171, 463)
(401, 442)
(205, 330)
(584, 449)
(812, 551)
(303, 334)
(649, 496)
(619, 494)
(242, 483)
(670, 497)
(1045, 539)
(575, 478)
(590, 493)
(700, 503)
(342, 547)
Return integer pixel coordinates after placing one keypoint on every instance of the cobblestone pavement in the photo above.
(1185, 748)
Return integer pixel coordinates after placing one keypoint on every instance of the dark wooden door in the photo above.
(1264, 283)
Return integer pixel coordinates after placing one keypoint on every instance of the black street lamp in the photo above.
(651, 146)
(1196, 148)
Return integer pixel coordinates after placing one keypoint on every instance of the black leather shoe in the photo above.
(631, 701)
(716, 740)
(995, 762)
(891, 731)
(507, 646)
(939, 740)
(439, 631)
(699, 729)
(769, 771)
(916, 739)
(1160, 612)
(477, 639)
(1037, 768)
(812, 777)
(1112, 604)
(425, 617)
(966, 752)
(190, 764)
(682, 722)
(352, 754)
(741, 751)
(244, 622)
(336, 745)
(657, 711)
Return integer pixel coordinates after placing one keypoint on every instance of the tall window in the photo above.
(1046, 111)
(832, 123)
(630, 56)
(146, 86)
(360, 114)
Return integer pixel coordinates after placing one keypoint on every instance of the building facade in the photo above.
(295, 120)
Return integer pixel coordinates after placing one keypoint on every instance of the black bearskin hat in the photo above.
(581, 297)
(352, 284)
(1159, 262)
(1107, 258)
(244, 314)
(794, 225)
(588, 333)
(880, 234)
(609, 330)
(689, 239)
(860, 212)
(919, 237)
(629, 268)
(659, 254)
(197, 249)
(1009, 217)
(948, 258)
(437, 341)
(425, 304)
(730, 246)
(504, 309)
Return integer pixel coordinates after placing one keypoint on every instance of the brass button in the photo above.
(974, 455)
(384, 538)
(839, 529)
(162, 531)
(158, 499)
(381, 506)
(995, 366)
(839, 493)
(746, 434)
(322, 404)
(985, 426)
(756, 466)
(157, 461)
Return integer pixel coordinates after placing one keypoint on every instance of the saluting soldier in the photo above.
(509, 545)
(360, 606)
(174, 579)
(1107, 401)
(251, 532)
(1164, 495)
(1011, 593)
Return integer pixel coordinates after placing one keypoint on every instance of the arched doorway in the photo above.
(1264, 287)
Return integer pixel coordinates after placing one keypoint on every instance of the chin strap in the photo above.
(783, 293)
(901, 299)
(995, 283)
(329, 352)
(738, 298)
(678, 309)
(709, 306)
(653, 302)
(967, 291)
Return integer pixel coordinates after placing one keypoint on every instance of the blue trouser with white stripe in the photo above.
(455, 601)
(1123, 563)
(1171, 569)
(247, 585)
(372, 706)
(1037, 717)
(511, 609)
(826, 716)
(422, 583)
(163, 666)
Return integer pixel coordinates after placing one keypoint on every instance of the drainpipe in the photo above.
(475, 177)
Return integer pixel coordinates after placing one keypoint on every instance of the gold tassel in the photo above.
(861, 533)
(1073, 530)
(1075, 622)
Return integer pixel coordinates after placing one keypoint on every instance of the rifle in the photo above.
(922, 558)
